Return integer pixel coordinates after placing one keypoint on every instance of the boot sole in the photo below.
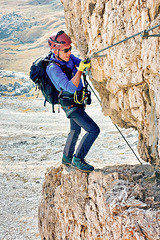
(85, 171)
(67, 164)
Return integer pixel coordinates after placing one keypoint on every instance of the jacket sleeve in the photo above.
(59, 78)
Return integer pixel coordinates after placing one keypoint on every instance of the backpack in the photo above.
(39, 76)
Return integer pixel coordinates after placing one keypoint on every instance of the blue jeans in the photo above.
(80, 119)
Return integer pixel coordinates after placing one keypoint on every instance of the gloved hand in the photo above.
(84, 64)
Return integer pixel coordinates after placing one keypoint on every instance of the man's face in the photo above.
(64, 53)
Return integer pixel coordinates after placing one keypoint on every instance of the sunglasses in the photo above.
(66, 50)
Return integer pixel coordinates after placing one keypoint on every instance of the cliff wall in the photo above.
(128, 78)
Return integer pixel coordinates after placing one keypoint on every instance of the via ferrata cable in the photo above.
(144, 34)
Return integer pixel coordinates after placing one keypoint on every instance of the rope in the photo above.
(144, 34)
(76, 97)
(117, 127)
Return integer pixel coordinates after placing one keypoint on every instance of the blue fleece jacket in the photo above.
(59, 78)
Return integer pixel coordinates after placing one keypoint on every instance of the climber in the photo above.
(69, 84)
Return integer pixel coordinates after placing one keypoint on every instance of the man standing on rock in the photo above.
(70, 85)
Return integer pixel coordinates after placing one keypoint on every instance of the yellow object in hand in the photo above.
(84, 64)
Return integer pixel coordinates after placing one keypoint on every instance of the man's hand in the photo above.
(84, 64)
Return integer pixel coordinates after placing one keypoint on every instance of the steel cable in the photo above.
(144, 34)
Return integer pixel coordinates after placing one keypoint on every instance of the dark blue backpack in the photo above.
(39, 76)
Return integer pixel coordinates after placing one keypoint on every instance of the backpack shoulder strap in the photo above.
(68, 71)
(58, 64)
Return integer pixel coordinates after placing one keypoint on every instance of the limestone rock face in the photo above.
(128, 77)
(117, 203)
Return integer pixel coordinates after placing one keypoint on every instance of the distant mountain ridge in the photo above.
(11, 24)
(24, 30)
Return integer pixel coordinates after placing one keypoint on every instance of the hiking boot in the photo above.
(81, 165)
(66, 160)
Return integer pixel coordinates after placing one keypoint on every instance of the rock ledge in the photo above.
(120, 202)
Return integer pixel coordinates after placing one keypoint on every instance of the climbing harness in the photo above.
(144, 34)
